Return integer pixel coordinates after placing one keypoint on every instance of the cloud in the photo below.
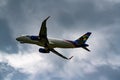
(7, 42)
(82, 12)
(104, 73)
(8, 72)
(69, 19)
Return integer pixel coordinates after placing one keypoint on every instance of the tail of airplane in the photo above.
(82, 40)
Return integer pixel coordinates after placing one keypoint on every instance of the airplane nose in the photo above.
(17, 38)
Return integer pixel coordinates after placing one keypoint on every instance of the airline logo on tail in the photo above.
(83, 39)
(86, 36)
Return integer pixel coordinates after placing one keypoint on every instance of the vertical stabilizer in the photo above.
(83, 38)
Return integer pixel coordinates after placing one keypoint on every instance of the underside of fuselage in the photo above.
(61, 43)
(53, 43)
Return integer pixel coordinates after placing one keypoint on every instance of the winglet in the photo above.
(47, 18)
(70, 58)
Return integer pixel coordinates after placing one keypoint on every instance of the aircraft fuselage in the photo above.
(50, 44)
(53, 43)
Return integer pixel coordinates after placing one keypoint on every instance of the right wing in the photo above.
(57, 53)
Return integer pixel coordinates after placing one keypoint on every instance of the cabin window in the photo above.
(34, 38)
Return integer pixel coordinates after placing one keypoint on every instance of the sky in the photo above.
(69, 19)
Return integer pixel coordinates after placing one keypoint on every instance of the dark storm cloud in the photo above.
(7, 72)
(67, 13)
(7, 43)
(87, 12)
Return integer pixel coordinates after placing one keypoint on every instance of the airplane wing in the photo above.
(57, 53)
(43, 32)
(44, 39)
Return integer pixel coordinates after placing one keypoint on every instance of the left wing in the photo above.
(44, 39)
(43, 32)
(57, 53)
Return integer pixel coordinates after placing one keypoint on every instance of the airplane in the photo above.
(49, 44)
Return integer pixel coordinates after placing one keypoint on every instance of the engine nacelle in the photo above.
(42, 50)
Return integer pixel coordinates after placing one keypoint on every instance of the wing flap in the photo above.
(57, 53)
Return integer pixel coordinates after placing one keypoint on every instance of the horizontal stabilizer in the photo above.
(86, 48)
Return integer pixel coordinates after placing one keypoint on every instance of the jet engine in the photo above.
(42, 50)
